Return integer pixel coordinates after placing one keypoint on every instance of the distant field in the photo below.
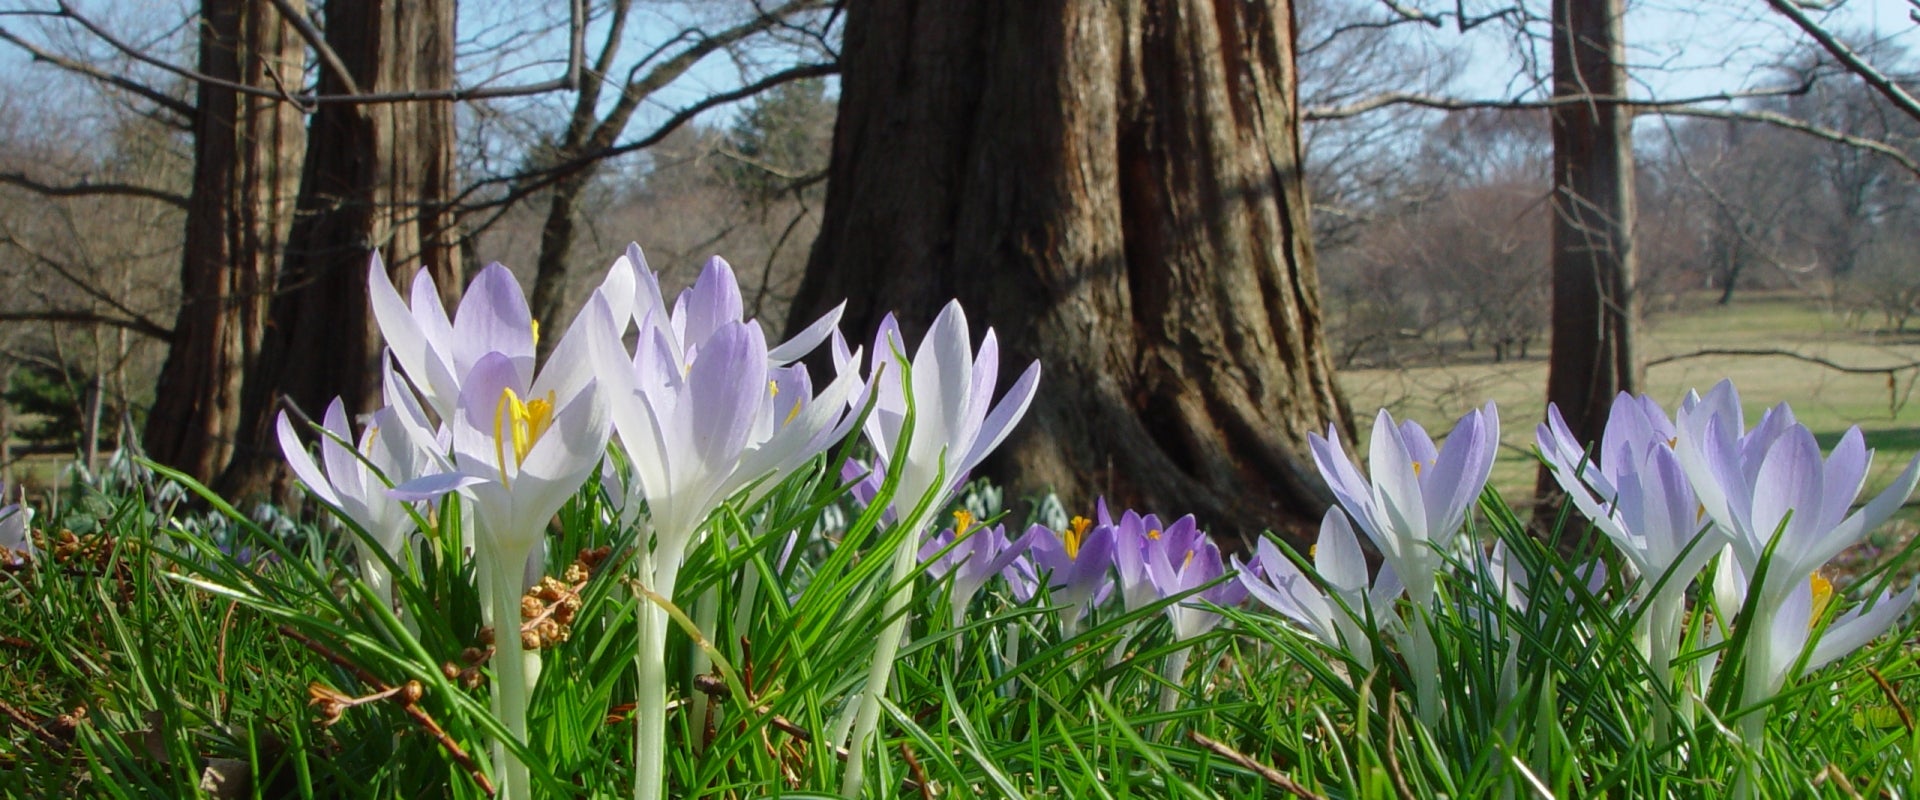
(1826, 400)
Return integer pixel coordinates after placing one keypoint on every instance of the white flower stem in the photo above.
(1662, 623)
(1173, 670)
(511, 687)
(1424, 661)
(706, 616)
(884, 652)
(650, 745)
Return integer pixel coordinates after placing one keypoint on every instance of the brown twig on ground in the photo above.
(1273, 776)
(407, 704)
(1906, 717)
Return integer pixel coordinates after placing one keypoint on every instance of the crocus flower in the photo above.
(16, 536)
(1175, 572)
(352, 481)
(521, 445)
(1419, 496)
(1333, 616)
(1136, 538)
(972, 554)
(956, 424)
(1797, 621)
(1075, 564)
(1773, 482)
(1417, 500)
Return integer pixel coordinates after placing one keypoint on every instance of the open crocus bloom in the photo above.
(704, 409)
(1798, 619)
(1136, 538)
(1177, 572)
(972, 553)
(1334, 616)
(1636, 492)
(1419, 496)
(1773, 482)
(956, 423)
(437, 352)
(352, 481)
(1076, 564)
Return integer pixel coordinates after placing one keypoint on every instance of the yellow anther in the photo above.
(1673, 442)
(1075, 535)
(520, 423)
(794, 412)
(773, 388)
(962, 522)
(536, 332)
(1313, 551)
(1822, 595)
(1154, 534)
(1416, 469)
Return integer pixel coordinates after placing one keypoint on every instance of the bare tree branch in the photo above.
(567, 82)
(141, 326)
(155, 96)
(86, 189)
(1779, 120)
(1442, 103)
(318, 42)
(144, 324)
(1847, 57)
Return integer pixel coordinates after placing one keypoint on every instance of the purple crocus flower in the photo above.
(956, 424)
(1136, 538)
(1419, 496)
(1075, 565)
(1334, 616)
(355, 480)
(1177, 571)
(972, 554)
(1772, 481)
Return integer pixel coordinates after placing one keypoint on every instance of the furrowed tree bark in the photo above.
(246, 174)
(1115, 187)
(1593, 356)
(376, 176)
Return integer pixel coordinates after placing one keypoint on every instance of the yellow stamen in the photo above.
(792, 413)
(521, 423)
(536, 332)
(1416, 469)
(1154, 534)
(1188, 562)
(962, 522)
(773, 388)
(1313, 551)
(1673, 442)
(1075, 535)
(1822, 595)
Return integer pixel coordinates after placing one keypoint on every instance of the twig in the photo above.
(1906, 717)
(1770, 351)
(86, 189)
(1851, 60)
(413, 710)
(1273, 776)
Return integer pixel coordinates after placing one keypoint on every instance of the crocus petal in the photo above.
(806, 340)
(302, 463)
(1337, 556)
(494, 318)
(1858, 627)
(431, 487)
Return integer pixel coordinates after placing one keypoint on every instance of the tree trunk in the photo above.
(246, 172)
(1116, 188)
(376, 176)
(1592, 355)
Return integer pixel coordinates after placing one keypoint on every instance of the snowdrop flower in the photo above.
(352, 481)
(1333, 616)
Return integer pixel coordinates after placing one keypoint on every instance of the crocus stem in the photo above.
(1174, 669)
(1759, 669)
(511, 688)
(1662, 623)
(706, 616)
(884, 652)
(1425, 664)
(650, 741)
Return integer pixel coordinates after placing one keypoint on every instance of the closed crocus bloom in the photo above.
(1419, 496)
(956, 424)
(16, 535)
(352, 480)
(1135, 538)
(1336, 615)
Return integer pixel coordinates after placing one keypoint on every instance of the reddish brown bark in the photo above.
(376, 176)
(1116, 188)
(1593, 355)
(246, 173)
